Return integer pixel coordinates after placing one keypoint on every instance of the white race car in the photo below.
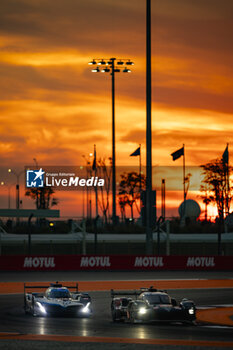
(57, 300)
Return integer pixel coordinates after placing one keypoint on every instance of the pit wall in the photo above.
(113, 262)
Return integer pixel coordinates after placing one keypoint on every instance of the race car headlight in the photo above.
(86, 309)
(142, 310)
(42, 308)
(191, 311)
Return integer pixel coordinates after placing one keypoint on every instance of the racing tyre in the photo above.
(33, 307)
(132, 316)
(25, 307)
(115, 316)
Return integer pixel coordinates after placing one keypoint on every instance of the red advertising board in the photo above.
(114, 262)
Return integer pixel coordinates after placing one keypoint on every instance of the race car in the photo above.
(57, 300)
(150, 304)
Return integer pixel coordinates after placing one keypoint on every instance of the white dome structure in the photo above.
(190, 208)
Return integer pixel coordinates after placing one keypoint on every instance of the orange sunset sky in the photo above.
(53, 108)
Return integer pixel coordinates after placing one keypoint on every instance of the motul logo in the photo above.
(39, 262)
(148, 261)
(95, 261)
(200, 261)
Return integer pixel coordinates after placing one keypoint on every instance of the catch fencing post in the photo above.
(168, 237)
(84, 237)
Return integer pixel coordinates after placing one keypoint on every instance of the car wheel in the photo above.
(132, 316)
(25, 307)
(115, 315)
(33, 308)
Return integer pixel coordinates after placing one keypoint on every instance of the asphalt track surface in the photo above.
(14, 320)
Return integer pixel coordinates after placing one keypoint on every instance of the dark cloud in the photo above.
(119, 27)
(11, 137)
(193, 137)
(208, 35)
(136, 135)
(81, 24)
(62, 85)
(184, 30)
(193, 99)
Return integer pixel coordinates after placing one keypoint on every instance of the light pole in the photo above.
(37, 192)
(149, 235)
(83, 198)
(88, 191)
(17, 185)
(112, 66)
(9, 192)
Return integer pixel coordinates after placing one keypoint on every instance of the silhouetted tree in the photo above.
(44, 197)
(105, 172)
(215, 177)
(122, 200)
(206, 198)
(129, 189)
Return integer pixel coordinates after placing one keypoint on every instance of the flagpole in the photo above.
(96, 189)
(184, 184)
(140, 172)
(228, 180)
(96, 200)
(149, 219)
(184, 173)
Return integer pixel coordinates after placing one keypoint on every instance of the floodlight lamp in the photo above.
(95, 70)
(126, 70)
(120, 62)
(109, 63)
(102, 62)
(105, 70)
(130, 63)
(92, 62)
(9, 170)
(117, 70)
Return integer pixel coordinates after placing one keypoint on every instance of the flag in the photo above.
(136, 152)
(177, 154)
(225, 156)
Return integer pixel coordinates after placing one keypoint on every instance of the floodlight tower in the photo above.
(112, 66)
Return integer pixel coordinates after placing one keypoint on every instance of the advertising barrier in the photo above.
(114, 262)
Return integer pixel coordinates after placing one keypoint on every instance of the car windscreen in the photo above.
(158, 299)
(59, 293)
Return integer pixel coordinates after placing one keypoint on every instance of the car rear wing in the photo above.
(135, 292)
(55, 285)
(125, 293)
